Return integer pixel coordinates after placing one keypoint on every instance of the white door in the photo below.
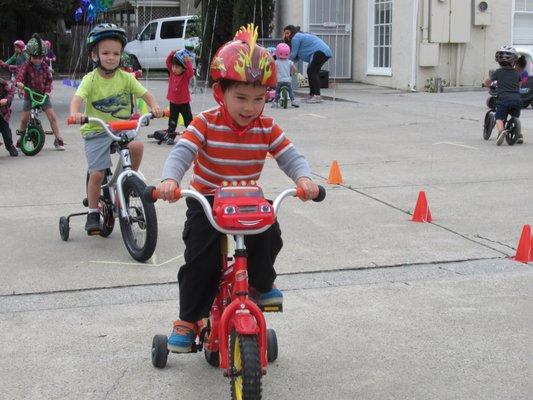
(332, 21)
(146, 46)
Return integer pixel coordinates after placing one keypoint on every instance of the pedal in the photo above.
(48, 132)
(94, 232)
(272, 308)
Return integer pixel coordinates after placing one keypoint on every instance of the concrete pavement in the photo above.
(376, 306)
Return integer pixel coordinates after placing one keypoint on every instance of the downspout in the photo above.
(425, 23)
(414, 55)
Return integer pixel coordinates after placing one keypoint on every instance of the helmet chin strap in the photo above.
(239, 130)
(105, 70)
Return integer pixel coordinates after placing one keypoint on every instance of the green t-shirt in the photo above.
(108, 99)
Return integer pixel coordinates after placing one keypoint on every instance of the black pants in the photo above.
(175, 111)
(198, 278)
(318, 60)
(6, 133)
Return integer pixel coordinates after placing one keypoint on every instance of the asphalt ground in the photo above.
(376, 306)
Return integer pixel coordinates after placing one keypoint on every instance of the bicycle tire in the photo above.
(513, 128)
(488, 124)
(284, 98)
(108, 219)
(245, 364)
(144, 216)
(32, 140)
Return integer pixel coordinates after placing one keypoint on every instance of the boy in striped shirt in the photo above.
(229, 143)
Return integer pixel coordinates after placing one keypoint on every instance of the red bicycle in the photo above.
(235, 336)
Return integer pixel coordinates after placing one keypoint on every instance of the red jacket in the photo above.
(178, 85)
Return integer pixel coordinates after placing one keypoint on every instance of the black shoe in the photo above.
(13, 151)
(92, 226)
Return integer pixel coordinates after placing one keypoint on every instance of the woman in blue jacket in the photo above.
(311, 49)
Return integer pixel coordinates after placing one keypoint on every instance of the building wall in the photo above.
(459, 64)
(472, 61)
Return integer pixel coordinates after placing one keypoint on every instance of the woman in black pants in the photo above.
(311, 49)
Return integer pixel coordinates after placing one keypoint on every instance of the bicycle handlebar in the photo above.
(116, 126)
(36, 98)
(151, 194)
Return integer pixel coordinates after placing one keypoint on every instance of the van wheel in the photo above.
(135, 63)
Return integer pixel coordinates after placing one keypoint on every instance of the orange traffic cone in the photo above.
(335, 177)
(523, 251)
(421, 213)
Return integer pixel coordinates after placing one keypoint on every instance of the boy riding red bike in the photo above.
(229, 143)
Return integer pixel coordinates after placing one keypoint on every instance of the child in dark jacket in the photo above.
(509, 101)
(181, 71)
(6, 97)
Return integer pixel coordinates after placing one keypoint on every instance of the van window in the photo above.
(193, 28)
(172, 30)
(149, 32)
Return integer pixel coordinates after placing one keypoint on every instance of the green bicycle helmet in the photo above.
(105, 31)
(36, 47)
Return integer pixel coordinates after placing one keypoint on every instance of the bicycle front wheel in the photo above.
(139, 228)
(245, 366)
(32, 141)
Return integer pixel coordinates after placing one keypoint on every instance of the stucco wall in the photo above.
(475, 58)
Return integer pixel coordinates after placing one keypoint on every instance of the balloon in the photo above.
(90, 18)
(78, 14)
(85, 4)
(91, 10)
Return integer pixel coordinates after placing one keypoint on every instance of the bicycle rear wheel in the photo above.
(284, 97)
(139, 229)
(245, 366)
(513, 128)
(32, 140)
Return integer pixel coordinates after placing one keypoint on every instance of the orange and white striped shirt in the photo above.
(218, 154)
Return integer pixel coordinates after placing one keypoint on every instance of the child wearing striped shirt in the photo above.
(229, 143)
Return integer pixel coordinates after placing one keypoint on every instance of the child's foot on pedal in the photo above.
(273, 297)
(182, 336)
(59, 144)
(93, 223)
(501, 137)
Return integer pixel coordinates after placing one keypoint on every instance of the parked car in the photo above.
(159, 37)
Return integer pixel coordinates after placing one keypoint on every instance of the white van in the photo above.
(159, 37)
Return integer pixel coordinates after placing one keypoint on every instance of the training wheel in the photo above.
(272, 345)
(159, 351)
(64, 228)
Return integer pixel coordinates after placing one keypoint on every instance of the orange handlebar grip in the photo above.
(122, 125)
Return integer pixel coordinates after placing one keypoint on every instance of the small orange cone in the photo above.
(421, 213)
(523, 252)
(335, 177)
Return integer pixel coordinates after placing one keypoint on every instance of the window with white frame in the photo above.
(523, 22)
(380, 37)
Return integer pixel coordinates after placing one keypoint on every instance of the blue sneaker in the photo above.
(273, 297)
(182, 336)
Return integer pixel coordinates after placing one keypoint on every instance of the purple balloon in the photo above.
(85, 4)
(78, 14)
(90, 18)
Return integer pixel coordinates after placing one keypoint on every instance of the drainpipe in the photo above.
(425, 23)
(414, 56)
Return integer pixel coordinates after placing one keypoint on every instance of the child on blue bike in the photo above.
(229, 143)
(508, 81)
